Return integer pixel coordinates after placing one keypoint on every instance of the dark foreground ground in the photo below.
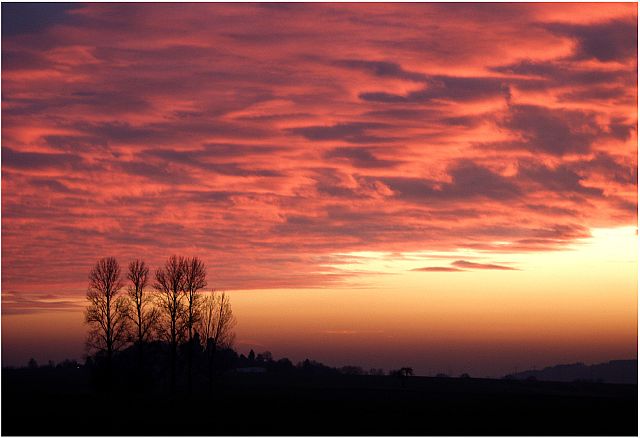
(59, 402)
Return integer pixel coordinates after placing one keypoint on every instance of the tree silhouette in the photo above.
(106, 313)
(142, 314)
(216, 326)
(169, 283)
(406, 371)
(195, 279)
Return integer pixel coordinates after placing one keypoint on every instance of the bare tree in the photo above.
(106, 313)
(142, 314)
(169, 283)
(216, 326)
(195, 279)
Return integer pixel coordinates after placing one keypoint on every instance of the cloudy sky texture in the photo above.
(278, 140)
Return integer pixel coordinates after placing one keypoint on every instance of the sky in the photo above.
(446, 186)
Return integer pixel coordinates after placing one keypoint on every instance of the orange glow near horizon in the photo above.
(575, 305)
(451, 187)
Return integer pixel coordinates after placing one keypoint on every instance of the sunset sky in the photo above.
(451, 187)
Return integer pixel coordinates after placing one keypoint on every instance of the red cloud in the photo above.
(143, 130)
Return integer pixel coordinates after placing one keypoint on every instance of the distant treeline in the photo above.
(615, 371)
(154, 375)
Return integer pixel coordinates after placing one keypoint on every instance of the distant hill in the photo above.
(615, 371)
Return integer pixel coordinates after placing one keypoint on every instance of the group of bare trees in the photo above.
(172, 310)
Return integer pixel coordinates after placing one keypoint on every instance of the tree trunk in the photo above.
(173, 358)
(173, 369)
(108, 370)
(190, 348)
(211, 362)
(141, 377)
(189, 365)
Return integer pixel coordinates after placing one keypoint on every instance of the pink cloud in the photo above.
(144, 130)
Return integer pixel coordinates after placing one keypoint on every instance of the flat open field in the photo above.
(59, 402)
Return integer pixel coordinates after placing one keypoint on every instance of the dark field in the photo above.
(60, 402)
